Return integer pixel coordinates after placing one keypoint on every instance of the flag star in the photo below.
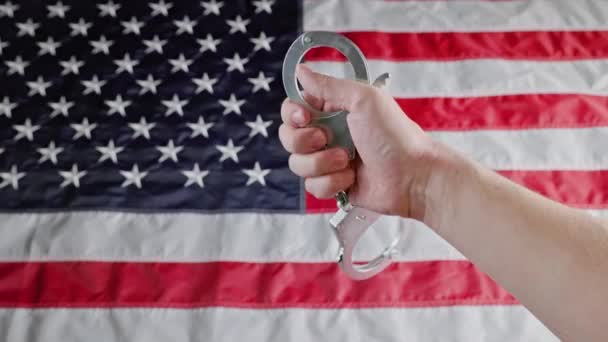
(26, 130)
(262, 42)
(93, 86)
(50, 47)
(49, 153)
(148, 84)
(3, 45)
(72, 177)
(109, 8)
(229, 151)
(236, 63)
(238, 24)
(71, 66)
(256, 174)
(208, 43)
(132, 26)
(232, 105)
(263, 6)
(174, 105)
(102, 45)
(212, 7)
(155, 44)
(195, 176)
(57, 10)
(133, 177)
(8, 9)
(258, 126)
(81, 27)
(160, 8)
(11, 178)
(84, 129)
(118, 105)
(142, 128)
(27, 28)
(185, 25)
(261, 82)
(180, 64)
(109, 152)
(61, 107)
(204, 83)
(6, 107)
(125, 64)
(200, 128)
(169, 152)
(17, 66)
(39, 86)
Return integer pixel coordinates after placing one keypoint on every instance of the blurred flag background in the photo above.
(145, 195)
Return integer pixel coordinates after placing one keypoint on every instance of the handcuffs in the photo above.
(349, 223)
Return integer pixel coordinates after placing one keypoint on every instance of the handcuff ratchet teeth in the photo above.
(349, 223)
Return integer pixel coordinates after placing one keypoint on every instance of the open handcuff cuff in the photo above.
(350, 222)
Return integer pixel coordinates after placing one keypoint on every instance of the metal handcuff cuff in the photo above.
(349, 222)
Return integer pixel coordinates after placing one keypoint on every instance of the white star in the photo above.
(17, 66)
(236, 63)
(208, 43)
(61, 107)
(133, 177)
(261, 82)
(174, 105)
(180, 64)
(169, 152)
(232, 105)
(212, 7)
(11, 178)
(229, 151)
(160, 8)
(49, 153)
(6, 107)
(39, 86)
(142, 128)
(71, 66)
(94, 85)
(195, 176)
(263, 5)
(258, 126)
(200, 128)
(3, 45)
(204, 83)
(132, 26)
(238, 24)
(125, 64)
(84, 129)
(72, 177)
(57, 10)
(118, 105)
(26, 130)
(262, 42)
(102, 45)
(50, 47)
(109, 152)
(148, 84)
(256, 174)
(8, 9)
(81, 27)
(27, 28)
(155, 44)
(185, 25)
(108, 8)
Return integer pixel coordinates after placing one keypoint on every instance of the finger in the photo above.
(318, 163)
(294, 114)
(301, 140)
(327, 186)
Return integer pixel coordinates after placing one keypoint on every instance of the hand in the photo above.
(394, 158)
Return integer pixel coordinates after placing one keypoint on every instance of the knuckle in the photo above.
(286, 138)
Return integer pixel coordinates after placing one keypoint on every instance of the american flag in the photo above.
(145, 195)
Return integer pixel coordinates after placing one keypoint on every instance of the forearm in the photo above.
(553, 259)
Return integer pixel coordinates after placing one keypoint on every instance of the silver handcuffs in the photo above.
(349, 222)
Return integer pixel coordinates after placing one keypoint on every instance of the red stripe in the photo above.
(580, 189)
(531, 45)
(235, 284)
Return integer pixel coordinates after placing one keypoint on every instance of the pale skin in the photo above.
(552, 258)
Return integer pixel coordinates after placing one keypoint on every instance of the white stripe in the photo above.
(482, 77)
(438, 16)
(468, 323)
